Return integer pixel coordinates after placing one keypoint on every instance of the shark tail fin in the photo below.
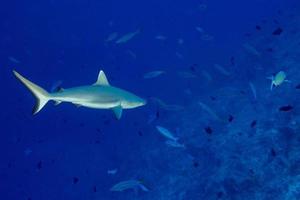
(41, 95)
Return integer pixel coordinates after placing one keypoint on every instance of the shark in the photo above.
(99, 95)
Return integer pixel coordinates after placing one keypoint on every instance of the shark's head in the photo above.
(133, 101)
(126, 99)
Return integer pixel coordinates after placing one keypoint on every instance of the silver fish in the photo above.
(129, 184)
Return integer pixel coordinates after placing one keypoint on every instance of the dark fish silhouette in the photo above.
(253, 124)
(75, 180)
(208, 130)
(277, 31)
(39, 165)
(286, 108)
(230, 118)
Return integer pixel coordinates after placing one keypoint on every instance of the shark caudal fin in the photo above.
(42, 96)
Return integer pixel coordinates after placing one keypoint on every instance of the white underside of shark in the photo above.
(100, 95)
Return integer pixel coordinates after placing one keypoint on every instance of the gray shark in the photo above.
(100, 95)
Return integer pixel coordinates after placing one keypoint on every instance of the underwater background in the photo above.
(202, 66)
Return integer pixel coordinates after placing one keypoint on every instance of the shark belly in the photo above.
(98, 105)
(88, 96)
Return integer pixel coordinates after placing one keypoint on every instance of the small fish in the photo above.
(253, 89)
(153, 74)
(222, 70)
(277, 31)
(111, 37)
(173, 107)
(199, 29)
(297, 87)
(140, 133)
(206, 75)
(186, 74)
(112, 171)
(176, 144)
(208, 130)
(125, 38)
(158, 101)
(209, 111)
(276, 21)
(166, 133)
(95, 188)
(131, 53)
(153, 117)
(129, 184)
(193, 67)
(75, 180)
(286, 108)
(278, 79)
(273, 152)
(257, 27)
(253, 124)
(111, 23)
(232, 60)
(247, 34)
(39, 165)
(157, 114)
(196, 164)
(165, 106)
(230, 118)
(251, 49)
(188, 91)
(179, 55)
(213, 98)
(160, 37)
(202, 7)
(14, 60)
(207, 37)
(27, 152)
(180, 41)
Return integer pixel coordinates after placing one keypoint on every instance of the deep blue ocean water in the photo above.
(237, 138)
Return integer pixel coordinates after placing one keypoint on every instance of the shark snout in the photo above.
(143, 102)
(134, 102)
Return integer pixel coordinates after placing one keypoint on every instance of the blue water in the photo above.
(241, 139)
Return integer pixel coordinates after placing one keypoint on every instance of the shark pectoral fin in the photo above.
(118, 111)
(272, 84)
(57, 102)
(102, 80)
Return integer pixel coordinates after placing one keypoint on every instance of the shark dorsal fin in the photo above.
(57, 102)
(102, 80)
